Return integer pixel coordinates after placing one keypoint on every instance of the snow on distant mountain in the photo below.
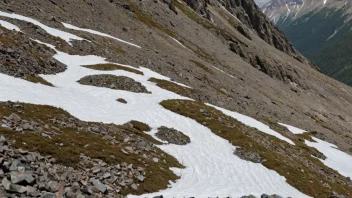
(260, 3)
(319, 29)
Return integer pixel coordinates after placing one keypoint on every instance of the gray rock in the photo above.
(88, 190)
(134, 186)
(106, 175)
(18, 177)
(13, 187)
(26, 126)
(172, 136)
(14, 117)
(249, 156)
(114, 82)
(140, 178)
(98, 185)
(14, 165)
(3, 140)
(52, 186)
(48, 195)
(270, 196)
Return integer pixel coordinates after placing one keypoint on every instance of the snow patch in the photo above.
(178, 42)
(72, 27)
(293, 129)
(335, 159)
(9, 26)
(252, 123)
(54, 32)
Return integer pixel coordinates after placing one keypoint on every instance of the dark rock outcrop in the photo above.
(114, 82)
(173, 136)
(250, 15)
(20, 56)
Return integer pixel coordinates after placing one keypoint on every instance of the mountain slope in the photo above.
(151, 98)
(319, 30)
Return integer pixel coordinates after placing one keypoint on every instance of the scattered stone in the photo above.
(249, 196)
(270, 196)
(114, 82)
(101, 187)
(126, 29)
(140, 178)
(14, 117)
(249, 156)
(134, 187)
(172, 136)
(121, 100)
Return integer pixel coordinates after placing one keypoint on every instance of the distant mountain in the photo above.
(260, 3)
(320, 30)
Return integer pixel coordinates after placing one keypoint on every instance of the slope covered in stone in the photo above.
(211, 60)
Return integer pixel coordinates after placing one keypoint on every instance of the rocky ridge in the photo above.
(21, 56)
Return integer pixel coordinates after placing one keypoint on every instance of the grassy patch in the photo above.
(149, 21)
(6, 41)
(76, 140)
(288, 160)
(37, 79)
(306, 136)
(140, 126)
(173, 87)
(112, 67)
(202, 21)
(202, 66)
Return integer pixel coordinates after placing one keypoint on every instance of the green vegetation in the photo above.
(287, 160)
(202, 66)
(6, 41)
(150, 22)
(202, 21)
(111, 67)
(140, 126)
(75, 141)
(173, 87)
(306, 136)
(37, 79)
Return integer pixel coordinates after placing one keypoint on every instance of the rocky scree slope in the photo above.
(226, 63)
(320, 30)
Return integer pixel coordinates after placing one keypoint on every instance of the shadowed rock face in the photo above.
(250, 15)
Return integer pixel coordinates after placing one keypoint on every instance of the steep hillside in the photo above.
(319, 30)
(107, 98)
